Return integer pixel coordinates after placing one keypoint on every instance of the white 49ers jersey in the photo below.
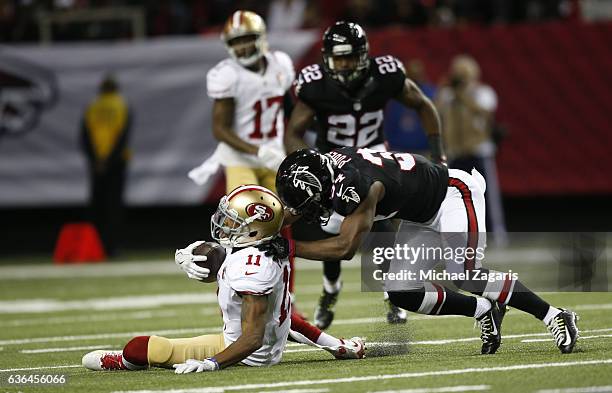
(258, 115)
(250, 272)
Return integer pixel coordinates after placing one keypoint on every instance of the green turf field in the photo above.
(50, 317)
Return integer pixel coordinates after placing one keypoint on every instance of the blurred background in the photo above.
(546, 65)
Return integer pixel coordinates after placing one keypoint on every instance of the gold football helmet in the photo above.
(247, 216)
(241, 26)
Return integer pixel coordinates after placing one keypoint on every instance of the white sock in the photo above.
(332, 287)
(328, 341)
(131, 366)
(482, 306)
(552, 312)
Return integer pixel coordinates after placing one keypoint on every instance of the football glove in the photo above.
(185, 259)
(278, 248)
(270, 156)
(196, 366)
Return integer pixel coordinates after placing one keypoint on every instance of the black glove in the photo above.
(278, 248)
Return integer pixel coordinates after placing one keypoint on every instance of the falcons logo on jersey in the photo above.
(304, 180)
(348, 194)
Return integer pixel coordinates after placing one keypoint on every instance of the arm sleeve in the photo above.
(221, 81)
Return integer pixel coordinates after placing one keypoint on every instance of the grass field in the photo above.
(50, 317)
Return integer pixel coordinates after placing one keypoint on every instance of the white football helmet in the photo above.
(244, 24)
(247, 216)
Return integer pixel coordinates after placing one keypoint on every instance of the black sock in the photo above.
(458, 304)
(525, 300)
(331, 270)
(454, 304)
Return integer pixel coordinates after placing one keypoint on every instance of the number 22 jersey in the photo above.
(350, 120)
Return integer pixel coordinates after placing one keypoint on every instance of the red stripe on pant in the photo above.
(466, 195)
(309, 331)
(288, 234)
(503, 296)
(439, 301)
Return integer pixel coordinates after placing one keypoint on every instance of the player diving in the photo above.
(252, 294)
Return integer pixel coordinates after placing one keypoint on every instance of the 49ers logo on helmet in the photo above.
(265, 212)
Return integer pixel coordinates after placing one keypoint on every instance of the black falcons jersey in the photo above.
(414, 186)
(354, 120)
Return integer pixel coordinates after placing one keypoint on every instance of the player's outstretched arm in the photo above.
(354, 226)
(223, 119)
(253, 314)
(301, 117)
(254, 309)
(412, 97)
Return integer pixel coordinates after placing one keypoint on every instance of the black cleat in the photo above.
(395, 314)
(564, 330)
(324, 313)
(490, 328)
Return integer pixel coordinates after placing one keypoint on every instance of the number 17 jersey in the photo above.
(350, 120)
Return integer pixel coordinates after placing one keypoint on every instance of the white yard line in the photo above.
(536, 340)
(44, 305)
(8, 370)
(379, 377)
(120, 269)
(65, 349)
(586, 389)
(324, 390)
(217, 330)
(444, 389)
(214, 310)
(527, 256)
(84, 337)
(106, 303)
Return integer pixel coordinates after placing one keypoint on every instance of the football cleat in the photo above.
(490, 328)
(350, 349)
(101, 360)
(564, 330)
(324, 313)
(395, 314)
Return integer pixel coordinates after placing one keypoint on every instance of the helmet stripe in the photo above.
(237, 19)
(250, 187)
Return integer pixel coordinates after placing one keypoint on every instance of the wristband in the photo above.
(217, 367)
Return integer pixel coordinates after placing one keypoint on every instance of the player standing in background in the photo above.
(250, 93)
(345, 99)
(253, 297)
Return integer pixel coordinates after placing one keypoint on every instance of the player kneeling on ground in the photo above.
(253, 296)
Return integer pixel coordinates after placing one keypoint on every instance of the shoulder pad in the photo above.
(221, 80)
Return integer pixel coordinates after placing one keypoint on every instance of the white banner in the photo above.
(44, 91)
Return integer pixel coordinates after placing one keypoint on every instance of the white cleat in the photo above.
(101, 360)
(354, 348)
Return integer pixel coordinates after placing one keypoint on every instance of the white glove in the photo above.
(202, 173)
(185, 259)
(196, 366)
(271, 156)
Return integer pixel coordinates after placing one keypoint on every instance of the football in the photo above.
(215, 256)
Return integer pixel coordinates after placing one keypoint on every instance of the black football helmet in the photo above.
(304, 184)
(346, 39)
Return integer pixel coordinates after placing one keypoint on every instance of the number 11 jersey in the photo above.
(355, 119)
(248, 271)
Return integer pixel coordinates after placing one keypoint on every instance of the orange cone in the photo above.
(78, 242)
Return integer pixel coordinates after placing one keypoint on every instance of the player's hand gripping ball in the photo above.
(201, 260)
